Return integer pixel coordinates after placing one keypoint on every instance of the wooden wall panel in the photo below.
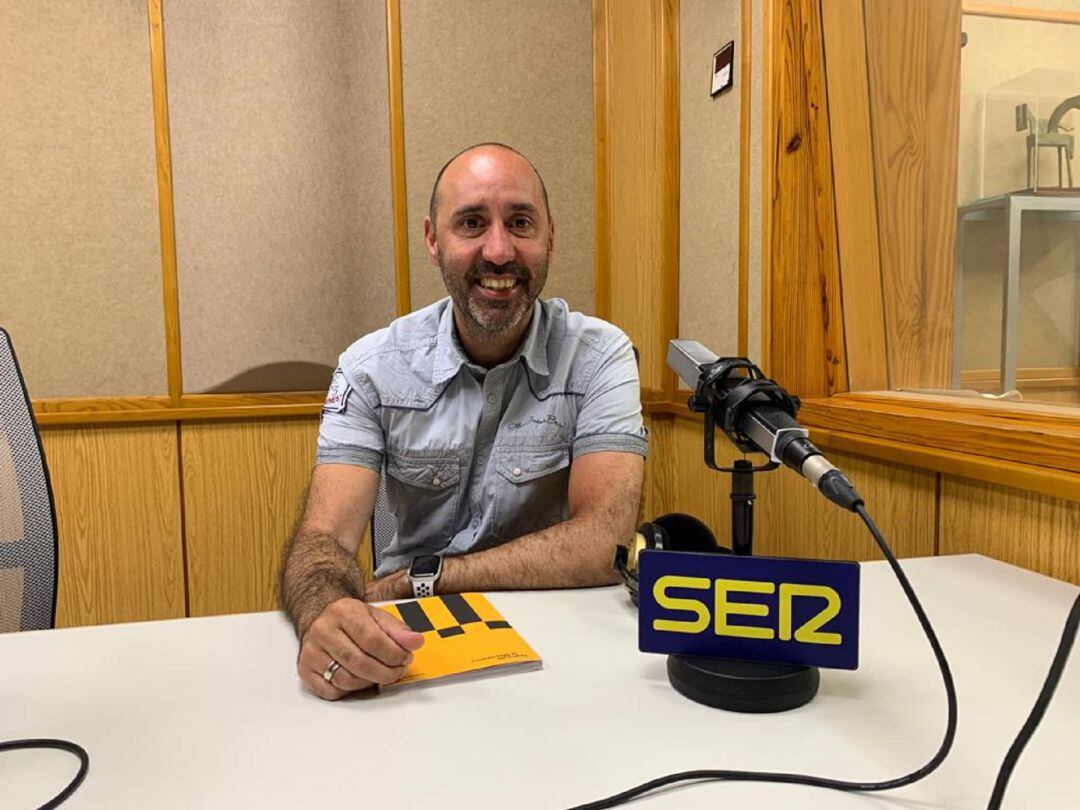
(681, 481)
(791, 518)
(118, 510)
(244, 485)
(638, 178)
(856, 204)
(796, 520)
(807, 346)
(1023, 528)
(913, 57)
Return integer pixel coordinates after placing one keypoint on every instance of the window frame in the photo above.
(1025, 445)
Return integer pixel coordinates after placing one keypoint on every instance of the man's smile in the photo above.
(498, 288)
(497, 283)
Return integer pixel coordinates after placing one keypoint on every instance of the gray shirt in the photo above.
(474, 457)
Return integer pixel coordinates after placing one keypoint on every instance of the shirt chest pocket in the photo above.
(530, 488)
(423, 493)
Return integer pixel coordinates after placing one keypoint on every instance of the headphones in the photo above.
(672, 532)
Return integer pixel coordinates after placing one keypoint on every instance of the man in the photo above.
(509, 429)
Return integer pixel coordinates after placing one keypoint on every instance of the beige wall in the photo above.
(80, 273)
(279, 123)
(519, 73)
(709, 179)
(281, 165)
(754, 337)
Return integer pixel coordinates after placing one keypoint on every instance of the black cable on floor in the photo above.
(819, 781)
(59, 745)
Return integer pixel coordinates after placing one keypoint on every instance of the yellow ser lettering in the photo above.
(809, 633)
(660, 594)
(725, 608)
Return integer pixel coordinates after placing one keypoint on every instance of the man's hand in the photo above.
(371, 646)
(321, 589)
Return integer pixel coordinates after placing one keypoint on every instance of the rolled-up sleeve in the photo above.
(610, 414)
(351, 431)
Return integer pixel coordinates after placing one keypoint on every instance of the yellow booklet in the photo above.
(463, 634)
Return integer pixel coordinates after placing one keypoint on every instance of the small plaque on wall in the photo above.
(723, 68)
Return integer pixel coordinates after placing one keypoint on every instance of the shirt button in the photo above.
(436, 481)
(481, 459)
(475, 523)
(517, 471)
(491, 399)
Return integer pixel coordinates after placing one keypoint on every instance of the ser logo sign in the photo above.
(754, 608)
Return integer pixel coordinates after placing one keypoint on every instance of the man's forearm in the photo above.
(317, 571)
(605, 490)
(574, 554)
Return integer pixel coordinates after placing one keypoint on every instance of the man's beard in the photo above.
(489, 319)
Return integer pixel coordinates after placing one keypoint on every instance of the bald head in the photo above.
(478, 158)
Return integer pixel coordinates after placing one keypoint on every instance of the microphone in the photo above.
(757, 415)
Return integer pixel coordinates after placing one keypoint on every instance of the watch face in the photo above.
(425, 566)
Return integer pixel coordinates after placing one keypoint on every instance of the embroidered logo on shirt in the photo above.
(337, 398)
(532, 420)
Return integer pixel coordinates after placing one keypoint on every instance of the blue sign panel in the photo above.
(753, 608)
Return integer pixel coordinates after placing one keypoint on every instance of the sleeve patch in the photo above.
(337, 398)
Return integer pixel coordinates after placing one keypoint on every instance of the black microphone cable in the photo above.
(950, 730)
(1057, 666)
(59, 745)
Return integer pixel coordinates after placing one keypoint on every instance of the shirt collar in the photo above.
(450, 357)
(534, 348)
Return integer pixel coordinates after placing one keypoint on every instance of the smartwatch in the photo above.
(423, 573)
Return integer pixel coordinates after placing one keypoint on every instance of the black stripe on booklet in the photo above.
(414, 616)
(460, 609)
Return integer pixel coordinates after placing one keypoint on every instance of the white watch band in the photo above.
(422, 587)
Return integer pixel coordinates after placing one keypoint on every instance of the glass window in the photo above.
(1017, 324)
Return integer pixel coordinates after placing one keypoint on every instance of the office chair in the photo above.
(383, 524)
(28, 539)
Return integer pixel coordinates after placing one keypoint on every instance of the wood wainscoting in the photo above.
(162, 521)
(244, 484)
(791, 519)
(159, 523)
(118, 514)
(1024, 528)
(920, 512)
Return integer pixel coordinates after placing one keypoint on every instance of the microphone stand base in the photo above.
(743, 686)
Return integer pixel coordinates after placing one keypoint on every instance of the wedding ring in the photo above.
(331, 668)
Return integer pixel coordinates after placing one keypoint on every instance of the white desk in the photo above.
(208, 713)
